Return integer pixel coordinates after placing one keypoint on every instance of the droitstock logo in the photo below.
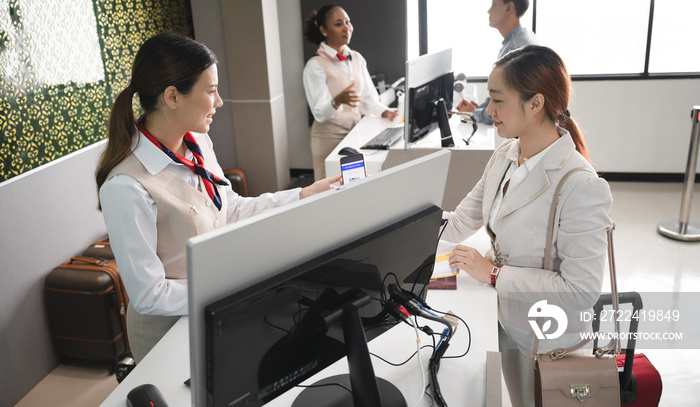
(547, 312)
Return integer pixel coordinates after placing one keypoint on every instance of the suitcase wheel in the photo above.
(123, 368)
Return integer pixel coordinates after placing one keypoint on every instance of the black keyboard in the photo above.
(385, 139)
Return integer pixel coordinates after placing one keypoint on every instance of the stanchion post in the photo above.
(683, 229)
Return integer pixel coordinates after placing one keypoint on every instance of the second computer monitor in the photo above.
(429, 90)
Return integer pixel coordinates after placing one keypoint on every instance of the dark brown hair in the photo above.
(521, 6)
(534, 69)
(164, 60)
(313, 23)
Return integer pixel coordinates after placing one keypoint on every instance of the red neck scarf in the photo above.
(197, 167)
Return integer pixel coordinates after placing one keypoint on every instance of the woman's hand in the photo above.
(319, 186)
(470, 260)
(348, 96)
(390, 114)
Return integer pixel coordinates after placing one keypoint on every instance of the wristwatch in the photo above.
(494, 275)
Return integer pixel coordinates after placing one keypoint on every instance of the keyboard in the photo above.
(385, 139)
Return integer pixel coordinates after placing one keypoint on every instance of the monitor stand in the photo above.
(444, 123)
(367, 389)
(336, 396)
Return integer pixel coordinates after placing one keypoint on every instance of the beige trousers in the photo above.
(518, 372)
(322, 144)
(145, 331)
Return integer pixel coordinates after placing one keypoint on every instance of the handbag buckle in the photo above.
(580, 391)
(557, 354)
(600, 353)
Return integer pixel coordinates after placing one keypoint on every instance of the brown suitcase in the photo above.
(236, 177)
(101, 249)
(86, 307)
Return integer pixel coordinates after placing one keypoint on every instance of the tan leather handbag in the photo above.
(565, 379)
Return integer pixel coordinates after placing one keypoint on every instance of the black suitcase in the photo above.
(86, 307)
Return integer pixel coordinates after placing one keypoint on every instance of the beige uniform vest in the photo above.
(183, 212)
(337, 80)
(327, 135)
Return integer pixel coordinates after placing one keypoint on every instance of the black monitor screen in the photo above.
(263, 340)
(422, 112)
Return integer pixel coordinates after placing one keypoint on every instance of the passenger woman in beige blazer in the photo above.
(159, 181)
(530, 90)
(338, 86)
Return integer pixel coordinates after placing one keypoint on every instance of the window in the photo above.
(673, 48)
(464, 27)
(54, 60)
(594, 37)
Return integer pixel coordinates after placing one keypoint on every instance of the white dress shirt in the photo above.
(319, 97)
(130, 214)
(515, 176)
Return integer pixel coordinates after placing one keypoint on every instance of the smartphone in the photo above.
(352, 167)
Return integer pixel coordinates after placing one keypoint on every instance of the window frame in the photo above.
(645, 75)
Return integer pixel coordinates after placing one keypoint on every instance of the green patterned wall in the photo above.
(54, 98)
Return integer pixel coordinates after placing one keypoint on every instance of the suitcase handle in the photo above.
(88, 260)
(103, 242)
(629, 297)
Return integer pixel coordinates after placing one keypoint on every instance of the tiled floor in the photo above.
(646, 262)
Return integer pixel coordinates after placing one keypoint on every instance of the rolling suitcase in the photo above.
(101, 249)
(236, 177)
(645, 382)
(640, 382)
(86, 307)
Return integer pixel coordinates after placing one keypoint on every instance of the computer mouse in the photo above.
(348, 151)
(145, 395)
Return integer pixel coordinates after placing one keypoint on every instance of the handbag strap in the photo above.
(614, 344)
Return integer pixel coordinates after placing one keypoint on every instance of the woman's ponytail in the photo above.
(570, 125)
(121, 130)
(312, 33)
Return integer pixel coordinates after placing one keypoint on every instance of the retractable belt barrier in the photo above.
(683, 229)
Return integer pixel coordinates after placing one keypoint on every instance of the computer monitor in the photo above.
(247, 252)
(428, 99)
(265, 339)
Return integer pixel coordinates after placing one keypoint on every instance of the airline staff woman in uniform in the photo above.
(159, 181)
(529, 90)
(338, 86)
